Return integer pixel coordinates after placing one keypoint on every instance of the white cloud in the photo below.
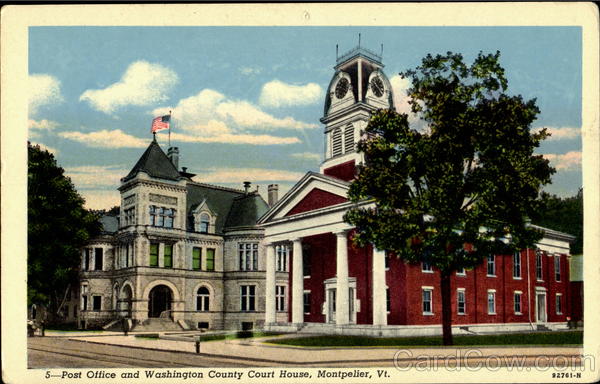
(279, 94)
(240, 138)
(36, 127)
(143, 83)
(105, 139)
(250, 70)
(400, 87)
(43, 90)
(52, 150)
(95, 176)
(307, 156)
(563, 162)
(561, 133)
(211, 117)
(101, 199)
(239, 175)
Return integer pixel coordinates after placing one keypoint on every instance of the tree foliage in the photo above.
(470, 177)
(58, 226)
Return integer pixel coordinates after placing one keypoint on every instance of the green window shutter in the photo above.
(210, 259)
(196, 255)
(154, 255)
(168, 256)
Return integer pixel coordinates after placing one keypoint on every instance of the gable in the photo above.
(315, 199)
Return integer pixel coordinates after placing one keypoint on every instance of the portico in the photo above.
(338, 300)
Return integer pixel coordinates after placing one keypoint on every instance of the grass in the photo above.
(537, 338)
(237, 335)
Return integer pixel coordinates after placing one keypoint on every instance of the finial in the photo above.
(359, 40)
(381, 50)
(336, 52)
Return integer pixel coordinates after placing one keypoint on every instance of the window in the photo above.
(388, 300)
(306, 300)
(84, 304)
(280, 298)
(129, 216)
(154, 255)
(517, 265)
(98, 259)
(349, 139)
(210, 259)
(386, 261)
(559, 304)
(74, 311)
(204, 223)
(517, 302)
(461, 271)
(557, 268)
(491, 265)
(196, 258)
(161, 217)
(538, 266)
(247, 297)
(248, 256)
(168, 256)
(491, 299)
(203, 299)
(336, 142)
(86, 259)
(426, 267)
(427, 307)
(203, 325)
(282, 256)
(66, 310)
(306, 259)
(460, 301)
(96, 303)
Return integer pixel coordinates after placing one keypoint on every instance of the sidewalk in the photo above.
(255, 349)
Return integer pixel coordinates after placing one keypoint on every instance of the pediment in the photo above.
(314, 191)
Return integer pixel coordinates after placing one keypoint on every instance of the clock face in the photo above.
(341, 88)
(377, 86)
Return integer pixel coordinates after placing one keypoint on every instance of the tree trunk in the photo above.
(446, 308)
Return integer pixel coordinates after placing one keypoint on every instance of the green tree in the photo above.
(563, 214)
(58, 226)
(449, 193)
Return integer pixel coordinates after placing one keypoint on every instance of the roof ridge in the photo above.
(216, 186)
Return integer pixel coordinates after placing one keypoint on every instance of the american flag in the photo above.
(159, 123)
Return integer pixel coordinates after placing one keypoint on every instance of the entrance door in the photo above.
(541, 307)
(159, 301)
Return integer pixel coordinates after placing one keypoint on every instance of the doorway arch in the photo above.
(160, 299)
(126, 298)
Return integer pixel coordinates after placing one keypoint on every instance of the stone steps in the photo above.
(157, 325)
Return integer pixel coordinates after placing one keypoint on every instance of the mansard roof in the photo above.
(233, 208)
(246, 210)
(155, 163)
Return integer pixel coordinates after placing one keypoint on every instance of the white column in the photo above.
(342, 294)
(379, 297)
(270, 285)
(297, 284)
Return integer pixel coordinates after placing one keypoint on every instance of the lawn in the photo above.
(535, 338)
(221, 336)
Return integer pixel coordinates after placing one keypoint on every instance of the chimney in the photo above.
(173, 155)
(273, 190)
(247, 187)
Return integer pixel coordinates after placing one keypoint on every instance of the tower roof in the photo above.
(155, 163)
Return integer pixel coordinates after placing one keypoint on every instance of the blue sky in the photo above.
(246, 101)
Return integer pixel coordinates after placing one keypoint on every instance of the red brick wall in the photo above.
(576, 300)
(315, 199)
(345, 171)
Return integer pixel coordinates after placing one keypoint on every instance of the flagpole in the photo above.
(170, 123)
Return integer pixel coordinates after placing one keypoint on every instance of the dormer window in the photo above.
(204, 223)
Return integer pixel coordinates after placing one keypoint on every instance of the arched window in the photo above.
(116, 297)
(336, 142)
(349, 139)
(203, 299)
(204, 223)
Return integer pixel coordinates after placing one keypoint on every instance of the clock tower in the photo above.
(358, 88)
